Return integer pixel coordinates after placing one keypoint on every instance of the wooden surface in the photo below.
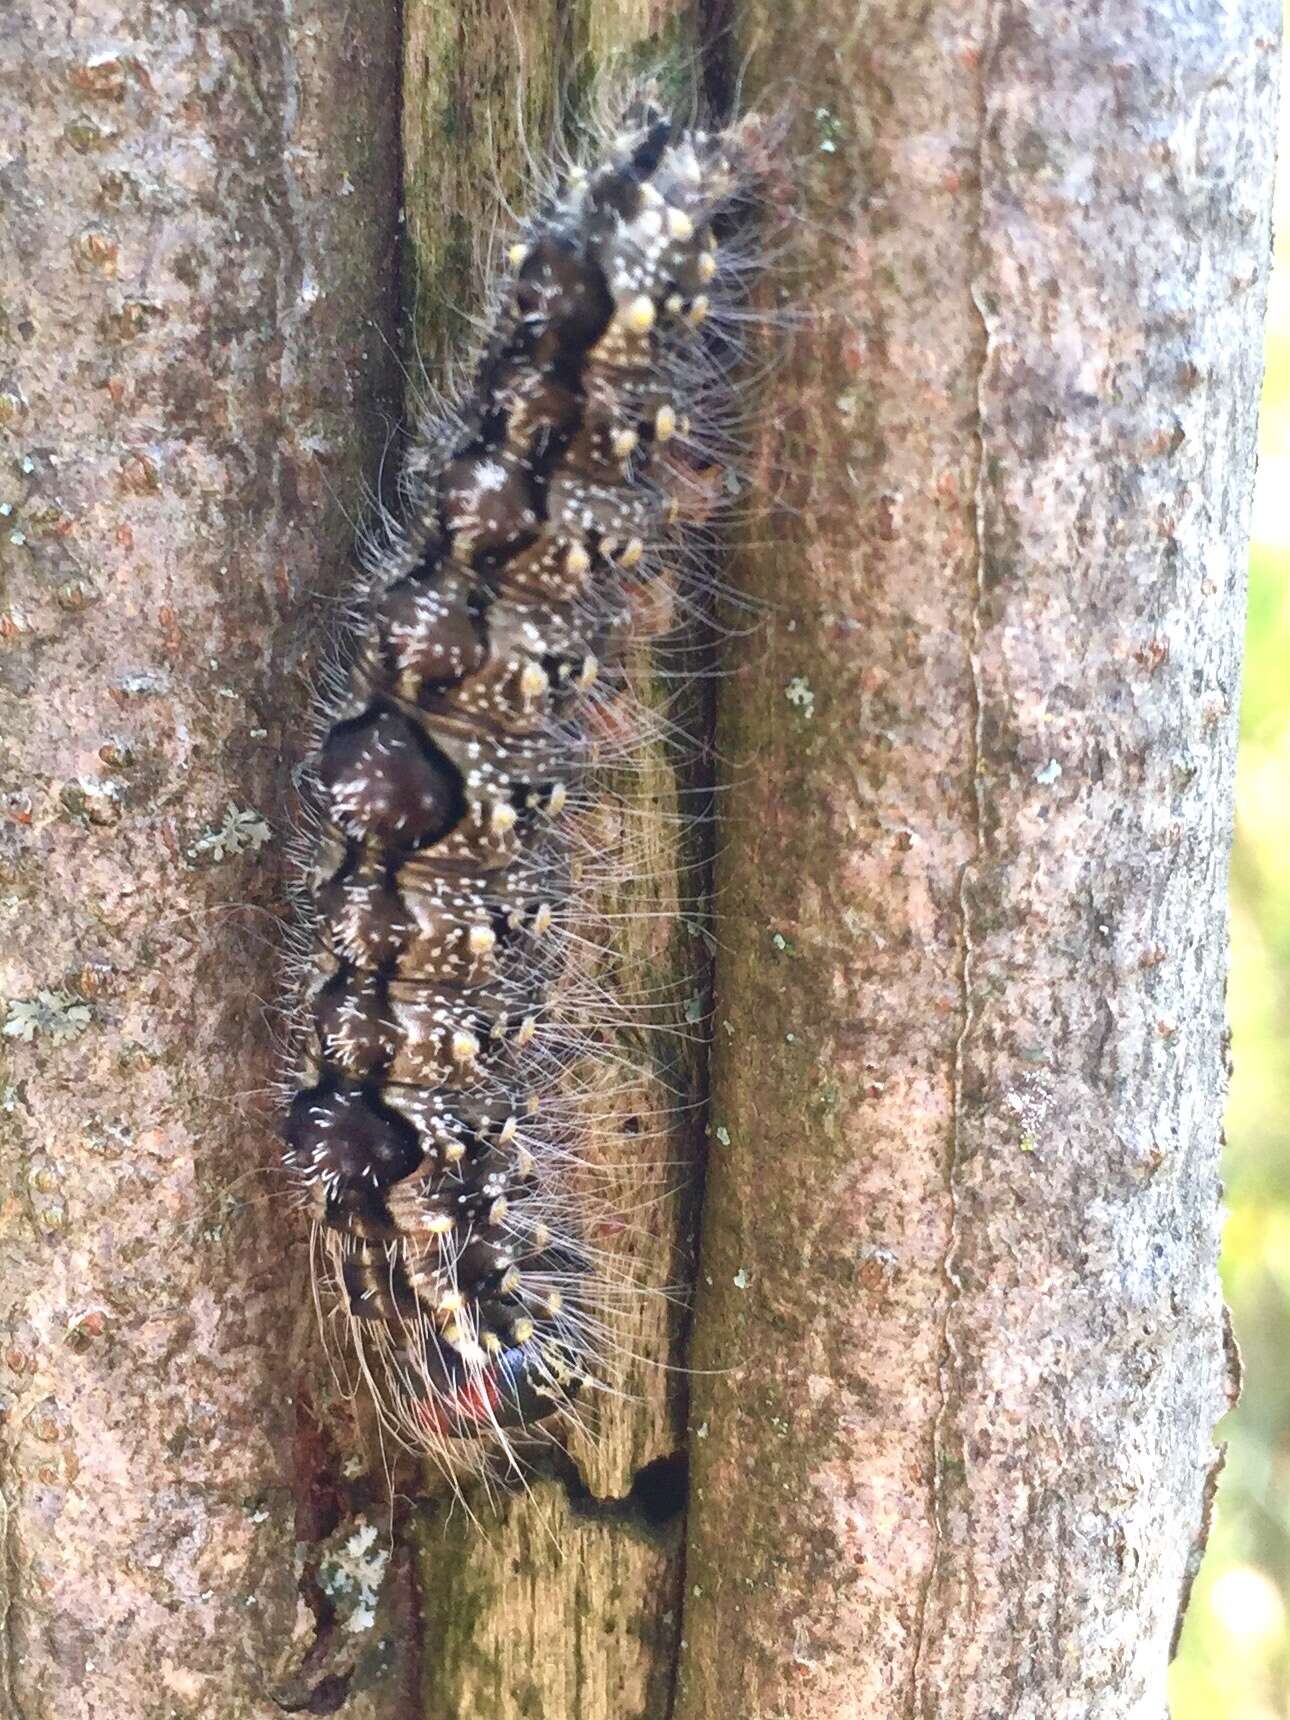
(959, 1348)
(197, 296)
(566, 1600)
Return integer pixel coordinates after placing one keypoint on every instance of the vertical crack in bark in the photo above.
(8, 1590)
(505, 1611)
(711, 30)
(976, 802)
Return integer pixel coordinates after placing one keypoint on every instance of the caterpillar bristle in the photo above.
(457, 1033)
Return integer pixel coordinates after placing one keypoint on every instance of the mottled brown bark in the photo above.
(959, 1344)
(196, 296)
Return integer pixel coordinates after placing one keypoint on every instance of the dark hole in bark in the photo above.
(660, 1489)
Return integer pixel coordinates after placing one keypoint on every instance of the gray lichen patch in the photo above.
(59, 1014)
(350, 1573)
(799, 692)
(243, 829)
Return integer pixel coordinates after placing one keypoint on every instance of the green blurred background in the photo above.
(1234, 1661)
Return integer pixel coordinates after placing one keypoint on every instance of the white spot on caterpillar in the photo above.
(638, 316)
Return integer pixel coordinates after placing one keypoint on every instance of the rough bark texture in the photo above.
(959, 1346)
(199, 260)
(566, 1599)
(959, 1341)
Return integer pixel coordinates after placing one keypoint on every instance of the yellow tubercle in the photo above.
(638, 316)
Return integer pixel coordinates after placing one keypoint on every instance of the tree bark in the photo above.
(199, 287)
(959, 1347)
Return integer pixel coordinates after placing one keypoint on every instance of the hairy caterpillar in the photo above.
(486, 680)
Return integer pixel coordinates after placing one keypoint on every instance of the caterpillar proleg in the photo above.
(485, 683)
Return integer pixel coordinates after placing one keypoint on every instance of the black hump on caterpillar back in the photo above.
(498, 622)
(343, 1135)
(560, 291)
(385, 780)
(429, 627)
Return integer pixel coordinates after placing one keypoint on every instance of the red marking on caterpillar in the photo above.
(511, 1391)
(470, 1409)
(454, 806)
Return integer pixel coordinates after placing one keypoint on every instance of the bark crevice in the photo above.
(976, 827)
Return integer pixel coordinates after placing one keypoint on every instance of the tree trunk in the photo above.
(199, 283)
(959, 1348)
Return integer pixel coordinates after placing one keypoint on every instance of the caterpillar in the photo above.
(485, 682)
